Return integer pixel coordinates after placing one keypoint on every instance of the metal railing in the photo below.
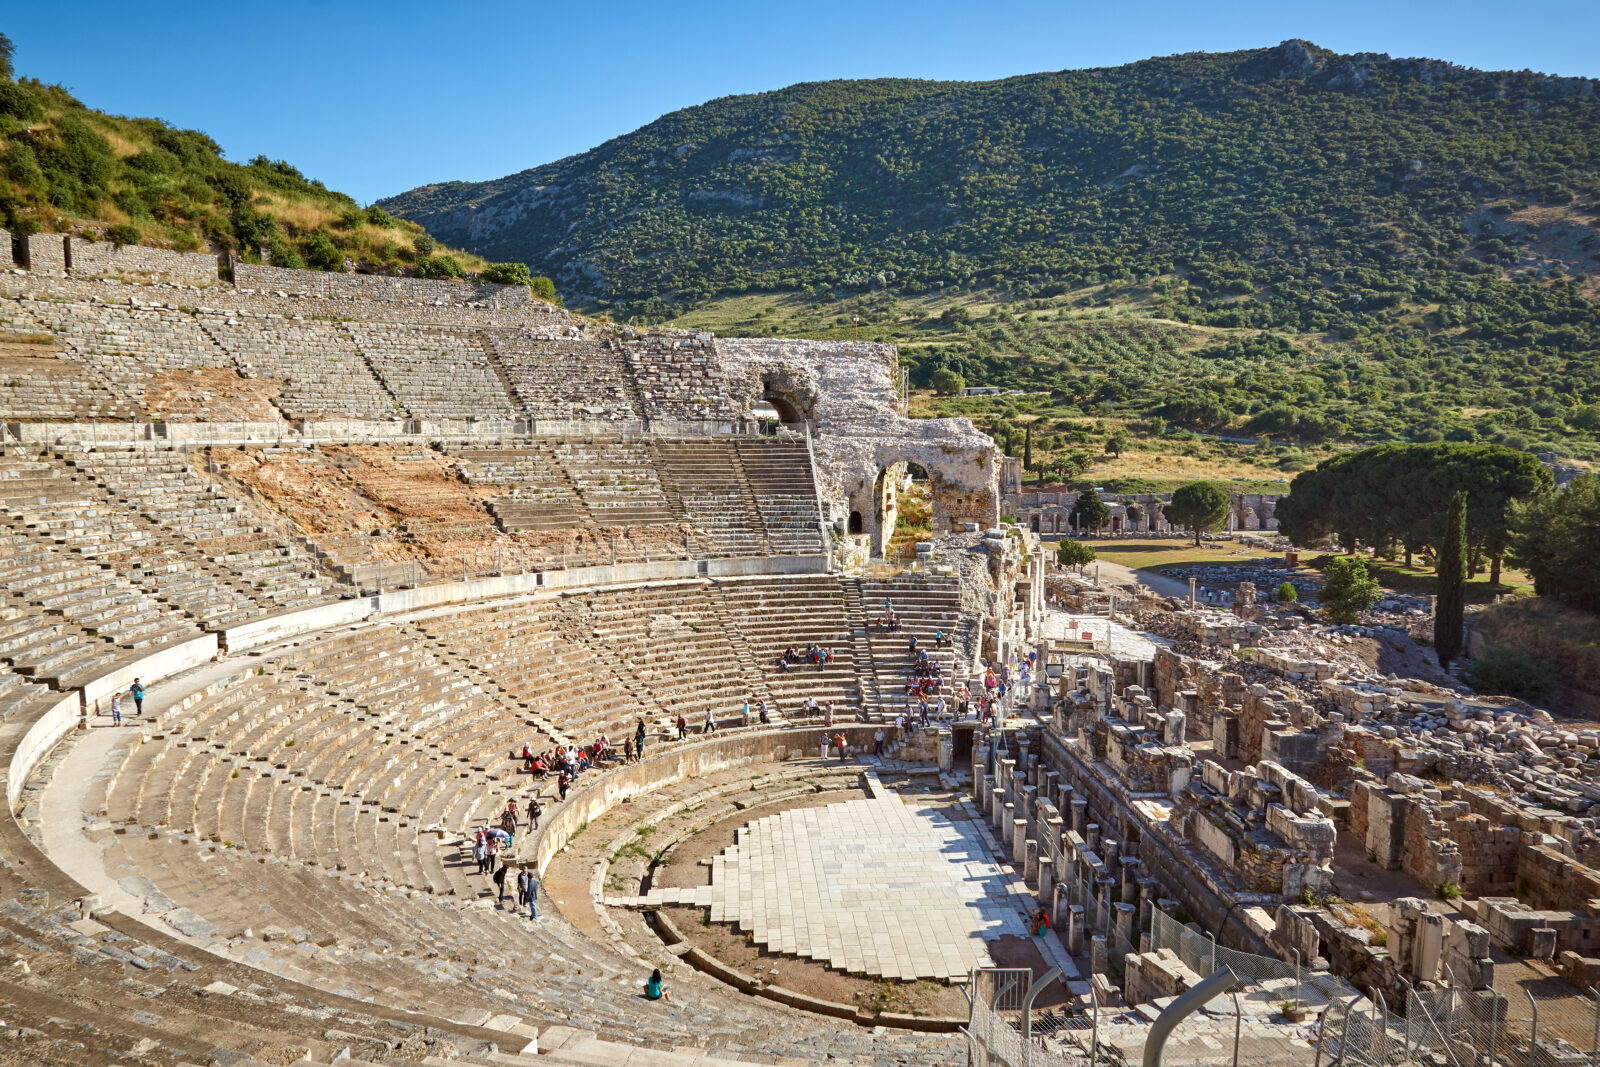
(1463, 1028)
(1262, 977)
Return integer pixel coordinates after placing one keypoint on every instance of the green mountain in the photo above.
(1310, 184)
(1310, 245)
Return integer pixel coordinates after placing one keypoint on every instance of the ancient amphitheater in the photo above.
(363, 539)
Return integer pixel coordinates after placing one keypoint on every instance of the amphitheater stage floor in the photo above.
(879, 886)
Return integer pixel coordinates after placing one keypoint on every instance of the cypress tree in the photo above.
(1447, 615)
(1027, 447)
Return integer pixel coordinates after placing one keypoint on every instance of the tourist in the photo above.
(683, 728)
(744, 714)
(826, 742)
(137, 692)
(877, 742)
(480, 851)
(563, 782)
(522, 886)
(711, 724)
(500, 883)
(764, 718)
(844, 746)
(533, 895)
(627, 750)
(534, 811)
(827, 715)
(653, 989)
(116, 709)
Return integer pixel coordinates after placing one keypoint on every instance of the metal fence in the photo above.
(999, 1031)
(1264, 977)
(1462, 1028)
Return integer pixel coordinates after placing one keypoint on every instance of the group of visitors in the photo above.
(136, 692)
(489, 847)
(1222, 598)
(815, 655)
(761, 713)
(837, 743)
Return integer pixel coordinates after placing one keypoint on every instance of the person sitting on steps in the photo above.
(653, 989)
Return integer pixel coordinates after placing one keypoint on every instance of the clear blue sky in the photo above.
(377, 98)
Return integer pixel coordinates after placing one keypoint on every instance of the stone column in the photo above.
(1080, 815)
(980, 786)
(1022, 757)
(1047, 883)
(1112, 855)
(1051, 833)
(1147, 896)
(947, 750)
(1126, 914)
(1019, 838)
(997, 806)
(1102, 904)
(1097, 954)
(1091, 837)
(1002, 826)
(1130, 877)
(1075, 929)
(1030, 860)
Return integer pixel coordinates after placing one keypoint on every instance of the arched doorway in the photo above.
(791, 410)
(855, 524)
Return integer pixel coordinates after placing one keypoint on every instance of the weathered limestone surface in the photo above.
(848, 390)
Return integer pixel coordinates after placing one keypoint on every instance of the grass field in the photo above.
(1422, 581)
(1162, 552)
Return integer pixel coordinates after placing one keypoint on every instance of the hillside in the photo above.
(69, 168)
(1419, 239)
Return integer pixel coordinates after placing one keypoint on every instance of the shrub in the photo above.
(321, 253)
(439, 267)
(17, 102)
(1070, 553)
(1349, 589)
(508, 274)
(1506, 670)
(1448, 891)
(947, 382)
(1287, 593)
(378, 217)
(544, 289)
(424, 245)
(124, 233)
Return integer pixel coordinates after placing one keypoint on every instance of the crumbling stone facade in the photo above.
(847, 392)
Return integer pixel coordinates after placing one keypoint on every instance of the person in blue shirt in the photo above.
(653, 989)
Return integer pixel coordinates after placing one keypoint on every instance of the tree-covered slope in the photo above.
(1358, 247)
(1321, 185)
(67, 167)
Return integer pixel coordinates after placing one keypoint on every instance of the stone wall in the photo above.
(44, 253)
(377, 287)
(142, 263)
(848, 391)
(679, 376)
(6, 260)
